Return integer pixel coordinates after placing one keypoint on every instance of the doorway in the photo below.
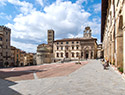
(67, 55)
(86, 54)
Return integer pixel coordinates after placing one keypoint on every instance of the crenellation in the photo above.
(4, 28)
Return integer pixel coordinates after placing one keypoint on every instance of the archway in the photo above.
(67, 55)
(119, 39)
(86, 54)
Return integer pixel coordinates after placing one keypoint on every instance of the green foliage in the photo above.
(120, 69)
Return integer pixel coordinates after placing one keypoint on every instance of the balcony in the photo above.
(1, 33)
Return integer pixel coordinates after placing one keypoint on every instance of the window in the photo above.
(17, 55)
(82, 54)
(1, 54)
(61, 42)
(67, 42)
(0, 38)
(6, 33)
(57, 42)
(77, 54)
(6, 40)
(57, 54)
(66, 48)
(49, 39)
(72, 42)
(77, 42)
(57, 48)
(72, 54)
(61, 48)
(72, 47)
(77, 47)
(6, 47)
(61, 54)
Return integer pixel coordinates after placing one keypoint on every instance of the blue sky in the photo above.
(29, 20)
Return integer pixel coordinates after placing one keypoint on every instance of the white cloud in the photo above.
(66, 18)
(97, 7)
(25, 7)
(23, 46)
(2, 2)
(5, 16)
(81, 1)
(40, 2)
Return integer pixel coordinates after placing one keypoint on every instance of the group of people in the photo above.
(106, 63)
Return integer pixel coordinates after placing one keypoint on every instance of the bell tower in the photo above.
(87, 32)
(50, 37)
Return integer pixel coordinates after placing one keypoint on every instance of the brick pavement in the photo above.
(36, 72)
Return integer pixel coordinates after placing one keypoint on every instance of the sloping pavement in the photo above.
(90, 79)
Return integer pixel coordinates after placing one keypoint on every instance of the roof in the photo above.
(42, 49)
(75, 39)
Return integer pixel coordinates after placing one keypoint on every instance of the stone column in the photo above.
(93, 55)
(89, 54)
(119, 47)
(124, 49)
(83, 54)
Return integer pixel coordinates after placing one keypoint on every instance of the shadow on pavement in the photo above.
(5, 89)
(7, 74)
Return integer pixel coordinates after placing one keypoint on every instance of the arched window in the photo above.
(61, 54)
(57, 54)
(0, 38)
(57, 48)
(72, 54)
(77, 54)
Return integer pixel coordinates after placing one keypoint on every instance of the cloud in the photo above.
(2, 2)
(40, 2)
(24, 46)
(97, 7)
(81, 1)
(5, 16)
(66, 18)
(25, 7)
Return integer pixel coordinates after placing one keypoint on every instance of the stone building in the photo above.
(113, 31)
(22, 55)
(99, 51)
(44, 54)
(5, 50)
(50, 37)
(15, 56)
(68, 48)
(45, 51)
(28, 59)
(76, 48)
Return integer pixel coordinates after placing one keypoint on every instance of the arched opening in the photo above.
(67, 55)
(86, 54)
(81, 54)
(119, 39)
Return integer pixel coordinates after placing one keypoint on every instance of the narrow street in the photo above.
(90, 79)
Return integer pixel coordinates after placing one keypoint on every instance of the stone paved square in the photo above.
(90, 79)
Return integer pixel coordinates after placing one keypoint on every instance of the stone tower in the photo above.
(50, 37)
(87, 32)
(5, 49)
